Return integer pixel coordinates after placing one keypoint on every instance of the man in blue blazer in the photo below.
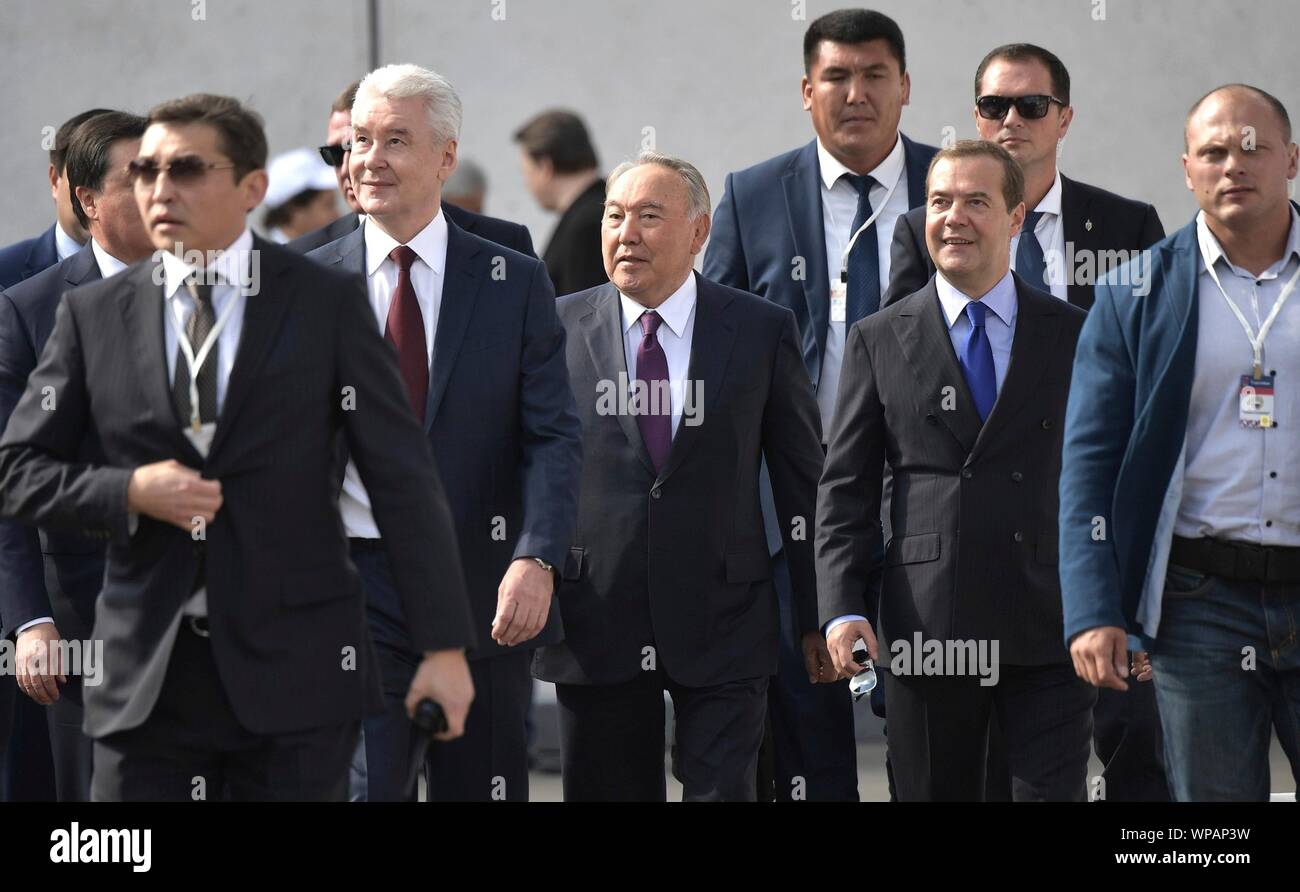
(49, 580)
(782, 231)
(1180, 507)
(482, 353)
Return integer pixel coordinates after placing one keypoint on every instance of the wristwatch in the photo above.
(549, 568)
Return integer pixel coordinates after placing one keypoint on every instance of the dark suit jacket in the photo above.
(1117, 224)
(677, 560)
(573, 255)
(284, 602)
(973, 553)
(24, 259)
(503, 232)
(46, 573)
(770, 215)
(500, 415)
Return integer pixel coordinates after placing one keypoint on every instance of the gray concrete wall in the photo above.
(716, 79)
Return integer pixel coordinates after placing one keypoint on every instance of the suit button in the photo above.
(967, 473)
(1047, 424)
(656, 493)
(1017, 476)
(1018, 536)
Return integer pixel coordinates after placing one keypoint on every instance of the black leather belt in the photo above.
(1241, 561)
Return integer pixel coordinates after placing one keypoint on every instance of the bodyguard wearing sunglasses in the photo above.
(337, 151)
(1022, 103)
(236, 661)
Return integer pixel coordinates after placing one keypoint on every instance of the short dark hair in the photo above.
(62, 136)
(283, 213)
(853, 26)
(1272, 101)
(561, 137)
(1020, 52)
(88, 151)
(1013, 178)
(343, 101)
(239, 129)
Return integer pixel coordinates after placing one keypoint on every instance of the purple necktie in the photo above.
(652, 368)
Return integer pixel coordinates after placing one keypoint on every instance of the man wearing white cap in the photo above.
(300, 196)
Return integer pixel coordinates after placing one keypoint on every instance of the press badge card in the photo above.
(1256, 403)
(839, 299)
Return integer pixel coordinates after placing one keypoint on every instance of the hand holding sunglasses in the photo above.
(995, 108)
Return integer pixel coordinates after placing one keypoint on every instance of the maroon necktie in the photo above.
(405, 329)
(652, 368)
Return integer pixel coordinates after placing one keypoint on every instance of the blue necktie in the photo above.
(863, 293)
(977, 361)
(1030, 264)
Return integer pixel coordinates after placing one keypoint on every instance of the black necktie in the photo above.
(197, 329)
(863, 295)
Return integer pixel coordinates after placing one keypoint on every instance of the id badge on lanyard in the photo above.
(840, 284)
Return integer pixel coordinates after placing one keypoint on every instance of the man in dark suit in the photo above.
(1179, 504)
(482, 353)
(67, 236)
(49, 581)
(960, 388)
(336, 151)
(227, 566)
(560, 170)
(783, 231)
(683, 385)
(1082, 231)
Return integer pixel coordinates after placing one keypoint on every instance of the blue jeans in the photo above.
(1226, 667)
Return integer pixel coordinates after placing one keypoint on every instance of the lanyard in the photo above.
(1256, 340)
(844, 258)
(193, 362)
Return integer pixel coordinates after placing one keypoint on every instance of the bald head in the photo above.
(1265, 102)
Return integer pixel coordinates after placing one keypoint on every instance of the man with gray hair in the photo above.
(682, 385)
(482, 355)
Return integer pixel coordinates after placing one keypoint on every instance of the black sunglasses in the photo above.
(333, 153)
(188, 169)
(995, 108)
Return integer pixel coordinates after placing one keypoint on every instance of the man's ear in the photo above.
(54, 182)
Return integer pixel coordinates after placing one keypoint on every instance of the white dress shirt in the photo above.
(64, 245)
(999, 326)
(674, 336)
(427, 278)
(1051, 237)
(1242, 483)
(839, 207)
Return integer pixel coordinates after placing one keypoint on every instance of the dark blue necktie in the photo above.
(977, 361)
(1030, 264)
(863, 294)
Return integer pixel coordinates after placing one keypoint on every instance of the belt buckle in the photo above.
(199, 625)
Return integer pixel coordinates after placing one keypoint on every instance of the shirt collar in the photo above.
(886, 172)
(1000, 299)
(675, 311)
(429, 244)
(109, 265)
(1212, 252)
(230, 266)
(1051, 203)
(64, 245)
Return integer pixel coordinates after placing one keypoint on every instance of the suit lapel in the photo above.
(602, 329)
(711, 342)
(1038, 327)
(803, 200)
(922, 332)
(141, 303)
(916, 168)
(1081, 231)
(263, 313)
(460, 287)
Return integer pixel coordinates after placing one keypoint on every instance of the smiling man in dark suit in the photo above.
(236, 657)
(683, 386)
(960, 389)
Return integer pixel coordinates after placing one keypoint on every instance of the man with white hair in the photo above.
(682, 385)
(482, 355)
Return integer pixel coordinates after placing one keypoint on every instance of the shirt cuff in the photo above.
(36, 622)
(841, 620)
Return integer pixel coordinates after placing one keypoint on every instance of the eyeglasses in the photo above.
(333, 153)
(995, 108)
(188, 169)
